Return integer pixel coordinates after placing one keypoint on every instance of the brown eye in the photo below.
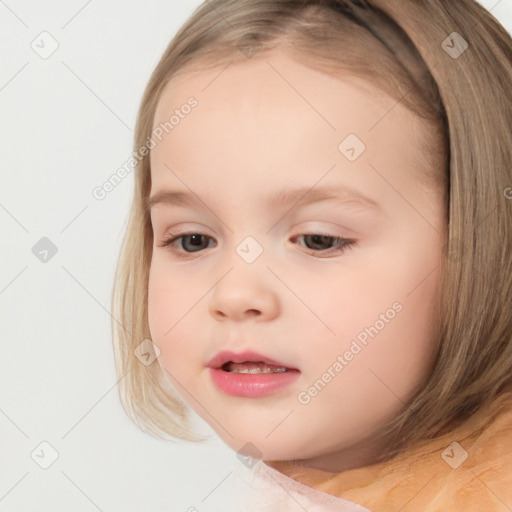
(319, 243)
(190, 242)
(195, 242)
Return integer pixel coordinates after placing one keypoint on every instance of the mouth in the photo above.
(247, 362)
(253, 367)
(249, 374)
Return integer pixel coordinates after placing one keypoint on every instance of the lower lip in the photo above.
(251, 385)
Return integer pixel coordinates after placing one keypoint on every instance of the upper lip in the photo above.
(225, 356)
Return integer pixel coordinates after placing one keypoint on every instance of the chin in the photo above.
(263, 449)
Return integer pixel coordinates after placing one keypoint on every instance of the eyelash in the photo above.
(345, 243)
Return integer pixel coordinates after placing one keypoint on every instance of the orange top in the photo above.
(465, 470)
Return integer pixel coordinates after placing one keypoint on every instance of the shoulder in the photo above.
(469, 468)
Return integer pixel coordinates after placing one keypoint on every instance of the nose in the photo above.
(243, 294)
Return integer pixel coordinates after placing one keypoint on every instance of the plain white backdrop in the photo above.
(71, 80)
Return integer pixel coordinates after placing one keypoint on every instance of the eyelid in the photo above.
(174, 232)
(186, 228)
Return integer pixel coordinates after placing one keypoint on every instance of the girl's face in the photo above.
(355, 319)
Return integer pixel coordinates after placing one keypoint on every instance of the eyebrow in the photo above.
(297, 197)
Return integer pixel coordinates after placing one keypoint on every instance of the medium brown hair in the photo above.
(407, 50)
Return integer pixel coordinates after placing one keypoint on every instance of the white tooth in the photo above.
(259, 370)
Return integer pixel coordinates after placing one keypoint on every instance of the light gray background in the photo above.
(67, 125)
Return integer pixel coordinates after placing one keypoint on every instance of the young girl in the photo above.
(317, 259)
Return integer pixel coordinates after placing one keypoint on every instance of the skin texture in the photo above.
(267, 124)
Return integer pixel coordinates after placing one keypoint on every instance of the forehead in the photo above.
(270, 81)
(270, 116)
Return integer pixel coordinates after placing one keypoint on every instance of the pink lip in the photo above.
(246, 384)
(251, 385)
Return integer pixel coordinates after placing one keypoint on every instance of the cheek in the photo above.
(418, 328)
(401, 353)
(169, 300)
(384, 370)
(387, 307)
(171, 293)
(160, 302)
